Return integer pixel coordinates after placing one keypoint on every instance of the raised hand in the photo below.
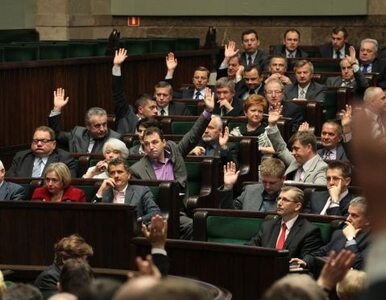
(230, 49)
(145, 267)
(230, 175)
(171, 61)
(59, 99)
(304, 127)
(120, 56)
(224, 137)
(352, 57)
(346, 118)
(209, 99)
(157, 232)
(274, 115)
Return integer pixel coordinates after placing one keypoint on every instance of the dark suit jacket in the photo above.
(379, 66)
(360, 83)
(47, 281)
(241, 88)
(178, 109)
(143, 169)
(125, 117)
(250, 199)
(238, 109)
(315, 91)
(280, 50)
(23, 162)
(139, 196)
(326, 50)
(261, 59)
(11, 191)
(78, 139)
(304, 237)
(318, 201)
(226, 155)
(340, 152)
(337, 243)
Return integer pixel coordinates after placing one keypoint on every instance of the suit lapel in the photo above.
(293, 233)
(275, 233)
(3, 191)
(129, 195)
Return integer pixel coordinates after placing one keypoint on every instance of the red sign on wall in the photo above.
(132, 21)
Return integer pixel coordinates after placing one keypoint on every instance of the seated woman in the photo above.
(254, 107)
(112, 149)
(57, 188)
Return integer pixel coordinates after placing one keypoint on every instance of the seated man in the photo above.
(9, 190)
(355, 236)
(164, 160)
(200, 79)
(227, 103)
(75, 277)
(215, 143)
(255, 197)
(117, 189)
(145, 105)
(252, 54)
(336, 199)
(369, 62)
(32, 162)
(277, 68)
(274, 93)
(89, 139)
(303, 164)
(141, 127)
(230, 67)
(351, 75)
(305, 87)
(73, 246)
(163, 93)
(290, 47)
(252, 83)
(289, 230)
(338, 47)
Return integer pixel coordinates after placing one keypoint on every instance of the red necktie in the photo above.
(281, 240)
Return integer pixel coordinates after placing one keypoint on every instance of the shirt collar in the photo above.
(289, 224)
(306, 166)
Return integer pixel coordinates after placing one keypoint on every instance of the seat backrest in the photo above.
(325, 231)
(233, 230)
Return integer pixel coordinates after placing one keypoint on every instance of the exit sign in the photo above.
(132, 21)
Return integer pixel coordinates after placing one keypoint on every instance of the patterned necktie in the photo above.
(365, 68)
(327, 155)
(302, 94)
(38, 168)
(299, 176)
(197, 95)
(162, 112)
(281, 240)
(337, 54)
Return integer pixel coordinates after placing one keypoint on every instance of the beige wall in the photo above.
(89, 19)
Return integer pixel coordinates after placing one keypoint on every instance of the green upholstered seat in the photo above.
(136, 46)
(81, 49)
(187, 44)
(325, 230)
(20, 53)
(53, 50)
(193, 169)
(181, 127)
(223, 229)
(164, 45)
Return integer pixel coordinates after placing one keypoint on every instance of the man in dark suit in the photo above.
(89, 139)
(274, 93)
(290, 47)
(227, 103)
(252, 54)
(9, 190)
(200, 79)
(116, 189)
(332, 139)
(369, 62)
(338, 47)
(254, 197)
(252, 83)
(277, 68)
(335, 201)
(355, 236)
(164, 160)
(43, 151)
(305, 87)
(215, 143)
(163, 93)
(351, 75)
(231, 66)
(125, 116)
(289, 230)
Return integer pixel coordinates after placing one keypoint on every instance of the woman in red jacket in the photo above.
(57, 188)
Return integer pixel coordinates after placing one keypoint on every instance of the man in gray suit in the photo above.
(116, 189)
(255, 197)
(335, 201)
(305, 87)
(89, 139)
(9, 190)
(303, 164)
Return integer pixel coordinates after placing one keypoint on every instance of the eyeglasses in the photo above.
(43, 141)
(273, 92)
(286, 200)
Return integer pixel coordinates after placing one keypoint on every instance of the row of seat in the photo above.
(41, 50)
